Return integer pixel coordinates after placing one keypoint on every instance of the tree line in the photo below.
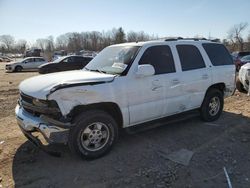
(75, 41)
(96, 41)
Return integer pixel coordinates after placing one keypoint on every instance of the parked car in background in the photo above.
(5, 59)
(33, 52)
(58, 54)
(237, 56)
(72, 62)
(30, 63)
(242, 61)
(242, 82)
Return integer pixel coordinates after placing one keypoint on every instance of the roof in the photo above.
(169, 41)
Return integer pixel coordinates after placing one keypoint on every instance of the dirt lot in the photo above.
(137, 160)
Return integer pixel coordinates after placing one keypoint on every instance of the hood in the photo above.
(13, 63)
(40, 86)
(48, 64)
(246, 66)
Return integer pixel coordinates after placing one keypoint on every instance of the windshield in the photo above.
(113, 59)
(58, 59)
(246, 58)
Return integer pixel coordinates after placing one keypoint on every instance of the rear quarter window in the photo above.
(218, 54)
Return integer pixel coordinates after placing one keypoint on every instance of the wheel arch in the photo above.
(109, 107)
(220, 86)
(18, 66)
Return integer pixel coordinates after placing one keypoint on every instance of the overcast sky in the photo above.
(32, 19)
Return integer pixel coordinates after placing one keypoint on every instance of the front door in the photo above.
(147, 95)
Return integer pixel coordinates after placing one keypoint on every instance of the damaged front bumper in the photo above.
(30, 124)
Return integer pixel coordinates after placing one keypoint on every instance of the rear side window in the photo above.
(190, 57)
(218, 54)
(160, 57)
(79, 59)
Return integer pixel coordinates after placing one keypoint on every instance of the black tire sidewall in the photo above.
(239, 86)
(82, 121)
(206, 116)
(18, 68)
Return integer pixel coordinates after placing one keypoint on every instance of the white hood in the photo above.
(40, 86)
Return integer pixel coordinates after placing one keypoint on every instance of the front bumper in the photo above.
(30, 124)
(8, 69)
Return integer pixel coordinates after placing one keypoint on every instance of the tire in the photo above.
(87, 139)
(212, 105)
(237, 68)
(240, 86)
(18, 69)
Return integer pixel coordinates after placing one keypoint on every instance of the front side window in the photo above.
(218, 54)
(160, 57)
(39, 59)
(29, 60)
(113, 59)
(190, 57)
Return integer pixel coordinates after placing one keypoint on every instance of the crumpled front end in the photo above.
(244, 76)
(39, 116)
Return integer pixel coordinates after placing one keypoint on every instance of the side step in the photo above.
(163, 121)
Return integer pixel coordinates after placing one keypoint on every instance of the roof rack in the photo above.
(194, 39)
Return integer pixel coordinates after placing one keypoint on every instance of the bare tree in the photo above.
(138, 36)
(21, 46)
(8, 41)
(235, 35)
(41, 43)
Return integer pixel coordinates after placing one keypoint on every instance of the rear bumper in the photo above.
(30, 124)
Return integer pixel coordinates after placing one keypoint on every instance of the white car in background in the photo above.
(30, 63)
(242, 83)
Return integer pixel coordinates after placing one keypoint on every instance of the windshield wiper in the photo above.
(95, 70)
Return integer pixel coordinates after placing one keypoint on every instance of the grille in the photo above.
(26, 98)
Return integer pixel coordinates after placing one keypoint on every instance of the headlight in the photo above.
(248, 72)
(38, 102)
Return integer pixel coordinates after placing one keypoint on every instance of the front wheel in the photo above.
(94, 134)
(18, 68)
(212, 105)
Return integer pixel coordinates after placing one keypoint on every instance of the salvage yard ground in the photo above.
(137, 160)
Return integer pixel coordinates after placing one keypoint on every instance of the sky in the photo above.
(33, 19)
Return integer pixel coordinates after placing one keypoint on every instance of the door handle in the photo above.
(156, 85)
(175, 81)
(204, 76)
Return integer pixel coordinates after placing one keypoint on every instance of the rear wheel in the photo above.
(212, 105)
(240, 86)
(94, 134)
(18, 68)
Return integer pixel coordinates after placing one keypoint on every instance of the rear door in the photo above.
(39, 61)
(195, 77)
(28, 63)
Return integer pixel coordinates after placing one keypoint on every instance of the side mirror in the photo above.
(145, 70)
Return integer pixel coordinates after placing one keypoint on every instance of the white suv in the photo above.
(123, 86)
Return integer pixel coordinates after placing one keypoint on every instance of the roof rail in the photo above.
(195, 39)
(172, 38)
